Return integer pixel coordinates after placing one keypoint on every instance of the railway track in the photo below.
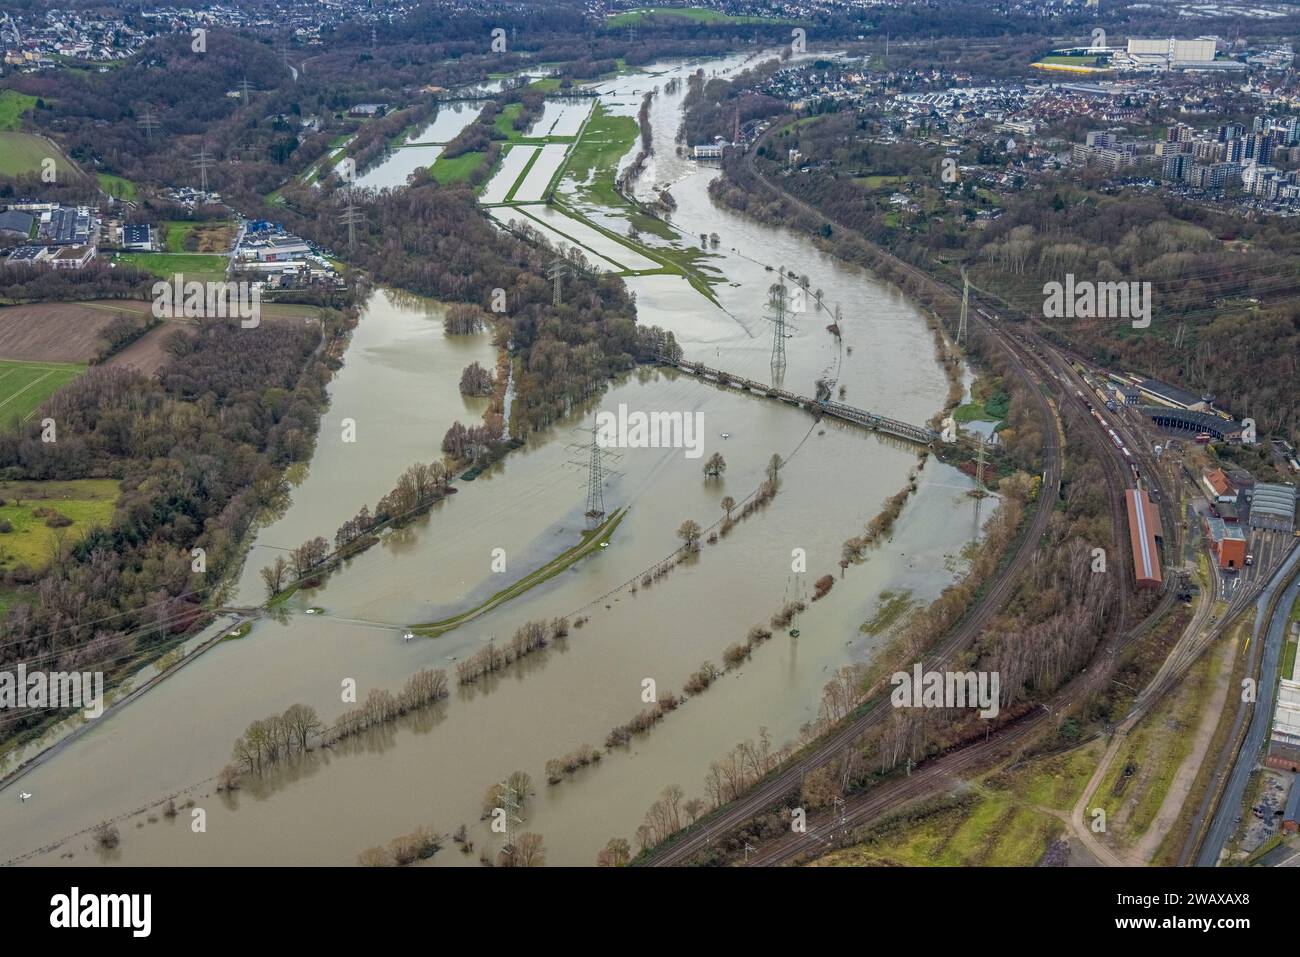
(769, 791)
(682, 848)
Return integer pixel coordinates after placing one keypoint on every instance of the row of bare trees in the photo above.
(644, 720)
(420, 844)
(557, 769)
(529, 637)
(382, 706)
(267, 740)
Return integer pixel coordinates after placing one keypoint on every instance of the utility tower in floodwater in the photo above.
(510, 805)
(597, 471)
(778, 294)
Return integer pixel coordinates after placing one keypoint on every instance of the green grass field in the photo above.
(25, 385)
(880, 182)
(1064, 60)
(24, 153)
(12, 106)
(458, 169)
(117, 186)
(594, 160)
(201, 267)
(88, 502)
(687, 13)
(502, 124)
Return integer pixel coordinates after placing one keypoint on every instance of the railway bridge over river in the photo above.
(839, 410)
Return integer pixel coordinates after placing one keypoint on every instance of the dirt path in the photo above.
(1181, 785)
(1081, 829)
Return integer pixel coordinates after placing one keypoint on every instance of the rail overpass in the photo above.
(838, 410)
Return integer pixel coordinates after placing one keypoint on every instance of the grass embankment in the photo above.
(24, 386)
(1005, 821)
(591, 542)
(29, 507)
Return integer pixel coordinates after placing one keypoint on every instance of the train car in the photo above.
(1124, 449)
(1204, 438)
(1115, 438)
(1137, 476)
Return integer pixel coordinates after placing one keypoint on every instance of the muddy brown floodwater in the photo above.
(399, 384)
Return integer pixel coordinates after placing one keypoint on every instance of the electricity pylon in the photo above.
(965, 299)
(593, 463)
(511, 805)
(352, 217)
(202, 162)
(777, 294)
(148, 122)
(556, 272)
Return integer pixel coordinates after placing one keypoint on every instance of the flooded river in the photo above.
(399, 385)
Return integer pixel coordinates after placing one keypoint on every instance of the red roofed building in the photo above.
(1216, 482)
(1143, 529)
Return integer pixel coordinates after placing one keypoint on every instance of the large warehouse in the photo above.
(1272, 506)
(1143, 529)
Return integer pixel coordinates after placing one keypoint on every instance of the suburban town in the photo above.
(480, 433)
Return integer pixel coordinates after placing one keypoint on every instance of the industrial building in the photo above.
(1143, 530)
(137, 238)
(1272, 506)
(1227, 543)
(1196, 423)
(15, 222)
(1169, 53)
(1291, 816)
(1284, 740)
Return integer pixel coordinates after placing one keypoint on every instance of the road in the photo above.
(826, 827)
(1228, 812)
(217, 631)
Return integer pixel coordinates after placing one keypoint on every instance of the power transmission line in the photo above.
(148, 122)
(202, 162)
(556, 272)
(352, 217)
